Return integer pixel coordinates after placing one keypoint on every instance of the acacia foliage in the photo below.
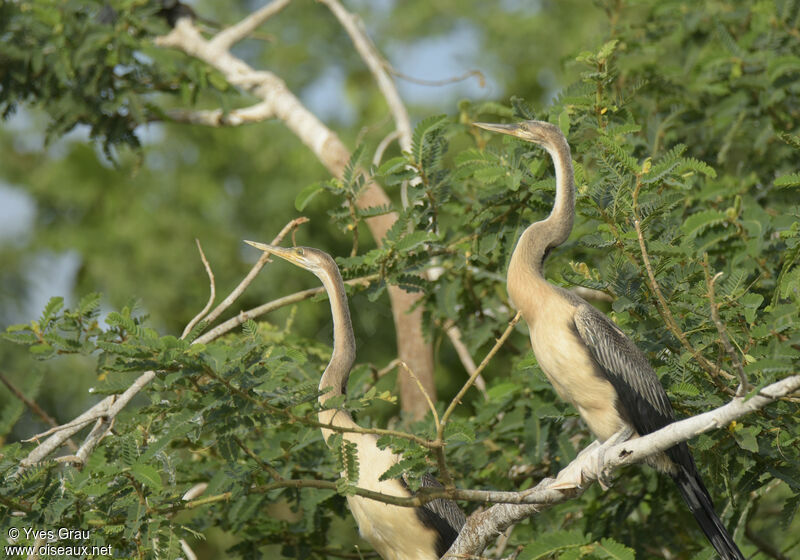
(695, 112)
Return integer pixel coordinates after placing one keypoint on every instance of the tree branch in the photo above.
(212, 293)
(108, 408)
(744, 386)
(331, 152)
(485, 525)
(376, 64)
(262, 260)
(264, 308)
(226, 38)
(663, 307)
(35, 408)
(218, 118)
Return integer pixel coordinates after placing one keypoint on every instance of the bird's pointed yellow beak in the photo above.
(513, 129)
(282, 252)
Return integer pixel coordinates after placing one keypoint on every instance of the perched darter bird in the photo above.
(590, 362)
(396, 533)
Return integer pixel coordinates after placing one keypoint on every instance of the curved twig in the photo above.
(212, 295)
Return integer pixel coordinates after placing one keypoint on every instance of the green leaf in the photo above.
(620, 155)
(147, 475)
(551, 543)
(306, 194)
(609, 548)
(785, 181)
(563, 122)
(701, 221)
(751, 303)
(607, 50)
(54, 305)
(414, 239)
(393, 165)
(691, 164)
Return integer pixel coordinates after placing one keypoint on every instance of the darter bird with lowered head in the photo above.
(590, 362)
(396, 533)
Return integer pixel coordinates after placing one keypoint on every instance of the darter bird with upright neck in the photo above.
(396, 533)
(590, 362)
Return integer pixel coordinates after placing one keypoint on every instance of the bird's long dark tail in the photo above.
(699, 501)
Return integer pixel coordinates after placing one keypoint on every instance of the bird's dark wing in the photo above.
(641, 398)
(644, 403)
(443, 516)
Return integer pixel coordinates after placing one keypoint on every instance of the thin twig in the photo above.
(424, 393)
(375, 62)
(264, 465)
(438, 452)
(262, 260)
(457, 399)
(437, 83)
(663, 307)
(77, 423)
(454, 334)
(35, 408)
(187, 550)
(305, 420)
(220, 118)
(485, 525)
(388, 139)
(212, 295)
(502, 542)
(744, 386)
(243, 316)
(377, 66)
(235, 33)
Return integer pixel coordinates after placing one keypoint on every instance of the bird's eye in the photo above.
(298, 251)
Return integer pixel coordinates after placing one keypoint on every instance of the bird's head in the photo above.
(313, 260)
(538, 132)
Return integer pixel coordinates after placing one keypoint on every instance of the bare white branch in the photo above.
(219, 118)
(277, 98)
(484, 526)
(454, 334)
(212, 295)
(262, 260)
(107, 409)
(229, 36)
(264, 308)
(376, 64)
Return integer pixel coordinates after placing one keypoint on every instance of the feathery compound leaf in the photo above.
(373, 211)
(409, 463)
(792, 139)
(791, 180)
(347, 460)
(698, 223)
(609, 548)
(147, 475)
(351, 169)
(89, 303)
(550, 543)
(425, 128)
(521, 109)
(306, 194)
(414, 239)
(691, 164)
(619, 154)
(53, 306)
(250, 328)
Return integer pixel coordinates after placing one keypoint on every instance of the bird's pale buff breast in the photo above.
(566, 362)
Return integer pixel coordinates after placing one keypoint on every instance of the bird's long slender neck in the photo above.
(527, 260)
(559, 222)
(344, 353)
(344, 345)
